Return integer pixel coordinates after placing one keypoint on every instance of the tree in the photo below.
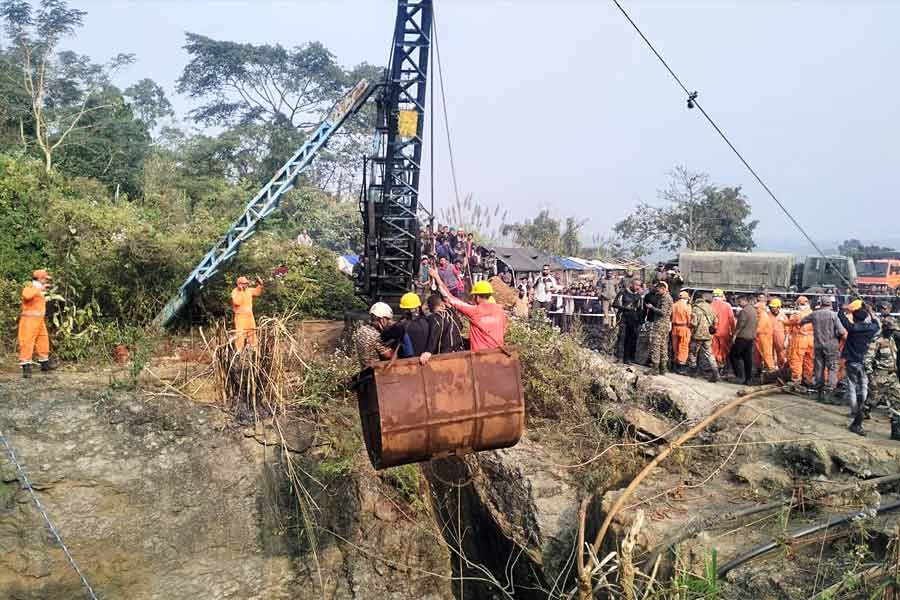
(149, 102)
(697, 216)
(271, 96)
(856, 250)
(62, 88)
(545, 233)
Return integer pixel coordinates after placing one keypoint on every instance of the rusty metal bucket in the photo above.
(459, 403)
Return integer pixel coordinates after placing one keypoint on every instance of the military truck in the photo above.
(737, 271)
(819, 275)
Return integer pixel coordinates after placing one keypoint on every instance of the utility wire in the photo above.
(692, 101)
(437, 54)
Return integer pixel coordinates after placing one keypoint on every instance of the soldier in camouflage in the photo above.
(661, 309)
(881, 363)
(704, 322)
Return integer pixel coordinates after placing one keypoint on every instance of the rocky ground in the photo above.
(159, 496)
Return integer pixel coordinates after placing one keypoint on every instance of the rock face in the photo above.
(157, 499)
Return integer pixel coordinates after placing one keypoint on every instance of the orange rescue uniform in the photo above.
(778, 338)
(244, 323)
(681, 331)
(764, 332)
(800, 347)
(721, 342)
(32, 328)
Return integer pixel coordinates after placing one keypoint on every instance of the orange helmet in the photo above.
(41, 274)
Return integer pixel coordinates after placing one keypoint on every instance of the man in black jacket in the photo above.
(444, 335)
(859, 337)
(630, 306)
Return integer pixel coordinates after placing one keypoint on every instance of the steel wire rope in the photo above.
(23, 477)
(692, 101)
(437, 54)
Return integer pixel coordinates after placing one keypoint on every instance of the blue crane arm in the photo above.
(263, 204)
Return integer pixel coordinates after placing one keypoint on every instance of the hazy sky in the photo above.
(560, 105)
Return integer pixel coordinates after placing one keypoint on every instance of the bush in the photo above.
(556, 381)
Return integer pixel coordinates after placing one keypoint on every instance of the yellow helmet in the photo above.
(410, 300)
(775, 303)
(718, 293)
(855, 305)
(482, 288)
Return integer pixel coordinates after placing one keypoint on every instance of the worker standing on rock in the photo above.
(487, 319)
(660, 307)
(242, 304)
(800, 349)
(704, 325)
(881, 360)
(681, 331)
(741, 355)
(629, 305)
(33, 336)
(827, 335)
(721, 341)
(860, 333)
(779, 321)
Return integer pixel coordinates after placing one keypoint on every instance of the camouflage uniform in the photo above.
(703, 317)
(881, 360)
(659, 332)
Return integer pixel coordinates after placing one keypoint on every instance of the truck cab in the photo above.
(879, 275)
(820, 274)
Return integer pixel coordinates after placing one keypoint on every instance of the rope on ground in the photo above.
(23, 477)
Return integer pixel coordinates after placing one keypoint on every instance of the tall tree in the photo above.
(696, 215)
(546, 233)
(62, 88)
(149, 102)
(272, 96)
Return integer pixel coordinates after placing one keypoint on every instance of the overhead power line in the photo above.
(693, 102)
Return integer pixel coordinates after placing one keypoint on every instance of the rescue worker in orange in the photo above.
(779, 321)
(764, 334)
(681, 330)
(800, 346)
(721, 341)
(242, 303)
(33, 337)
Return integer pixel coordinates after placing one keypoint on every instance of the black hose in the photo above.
(768, 547)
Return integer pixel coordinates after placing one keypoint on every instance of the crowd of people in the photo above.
(751, 338)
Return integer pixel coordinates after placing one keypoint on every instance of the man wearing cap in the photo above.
(881, 362)
(242, 303)
(860, 332)
(704, 322)
(779, 320)
(367, 337)
(33, 337)
(487, 319)
(659, 307)
(800, 345)
(725, 322)
(827, 335)
(681, 331)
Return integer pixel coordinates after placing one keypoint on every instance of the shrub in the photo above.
(557, 382)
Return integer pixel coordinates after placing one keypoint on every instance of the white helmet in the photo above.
(381, 310)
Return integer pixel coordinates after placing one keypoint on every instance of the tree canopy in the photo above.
(547, 233)
(695, 215)
(856, 250)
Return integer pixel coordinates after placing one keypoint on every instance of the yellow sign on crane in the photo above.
(407, 123)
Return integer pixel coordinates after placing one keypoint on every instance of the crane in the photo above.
(390, 209)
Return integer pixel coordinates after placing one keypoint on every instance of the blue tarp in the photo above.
(351, 258)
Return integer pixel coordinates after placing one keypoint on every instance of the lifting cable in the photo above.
(23, 477)
(437, 54)
(693, 102)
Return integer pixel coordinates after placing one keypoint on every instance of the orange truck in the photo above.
(878, 275)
